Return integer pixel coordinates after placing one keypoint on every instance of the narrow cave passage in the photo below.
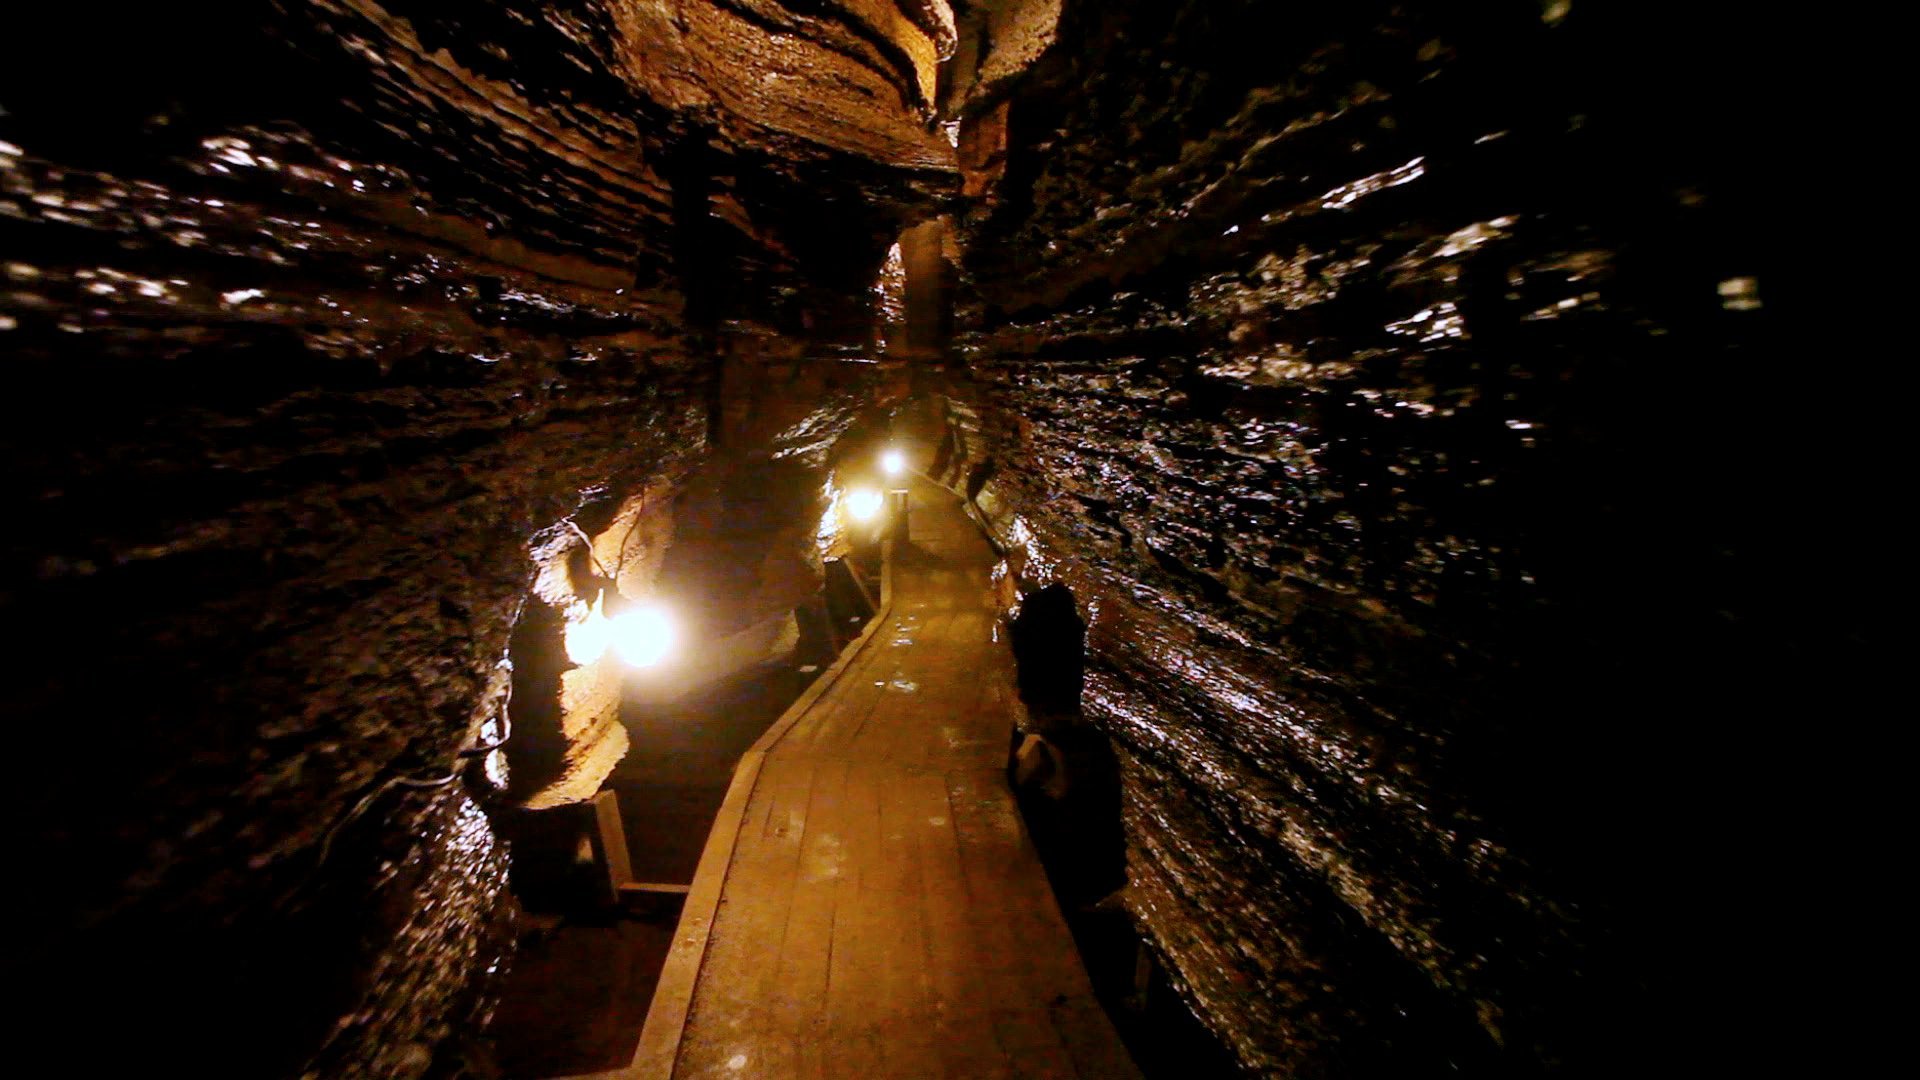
(912, 538)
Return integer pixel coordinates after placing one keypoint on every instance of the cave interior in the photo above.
(1404, 564)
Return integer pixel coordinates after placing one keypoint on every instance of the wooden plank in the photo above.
(909, 1045)
(902, 735)
(853, 978)
(654, 888)
(610, 837)
(784, 844)
(962, 998)
(833, 727)
(805, 952)
(730, 1018)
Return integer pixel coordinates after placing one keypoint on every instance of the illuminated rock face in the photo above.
(1378, 384)
(317, 313)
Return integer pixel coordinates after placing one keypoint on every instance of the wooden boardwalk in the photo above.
(869, 905)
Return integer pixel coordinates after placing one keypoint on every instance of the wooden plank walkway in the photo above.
(869, 904)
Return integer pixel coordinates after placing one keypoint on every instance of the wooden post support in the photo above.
(610, 844)
(897, 515)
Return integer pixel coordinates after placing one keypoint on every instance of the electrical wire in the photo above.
(620, 564)
(582, 534)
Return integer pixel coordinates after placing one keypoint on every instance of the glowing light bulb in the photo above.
(863, 503)
(642, 637)
(587, 640)
(894, 462)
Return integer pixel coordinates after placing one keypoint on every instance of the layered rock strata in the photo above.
(1377, 380)
(325, 318)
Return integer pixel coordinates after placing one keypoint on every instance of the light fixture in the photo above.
(863, 503)
(643, 636)
(893, 461)
(640, 637)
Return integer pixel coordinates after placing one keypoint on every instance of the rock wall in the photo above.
(1383, 381)
(320, 318)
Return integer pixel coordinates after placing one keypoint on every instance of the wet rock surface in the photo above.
(322, 316)
(1380, 382)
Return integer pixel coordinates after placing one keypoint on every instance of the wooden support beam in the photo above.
(610, 844)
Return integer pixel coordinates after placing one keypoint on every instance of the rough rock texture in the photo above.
(1387, 385)
(998, 41)
(1381, 381)
(320, 318)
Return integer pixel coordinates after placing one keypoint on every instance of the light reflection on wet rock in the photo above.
(1356, 431)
